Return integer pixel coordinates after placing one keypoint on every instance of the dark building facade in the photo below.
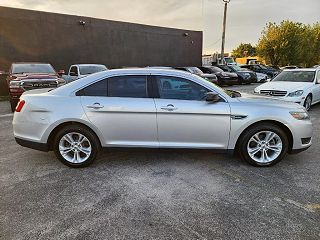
(63, 40)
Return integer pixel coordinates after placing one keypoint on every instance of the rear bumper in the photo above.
(33, 145)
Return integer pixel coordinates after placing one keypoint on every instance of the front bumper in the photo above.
(302, 132)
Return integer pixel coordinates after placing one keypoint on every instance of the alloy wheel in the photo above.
(75, 147)
(264, 147)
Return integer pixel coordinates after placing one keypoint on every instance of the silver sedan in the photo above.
(157, 108)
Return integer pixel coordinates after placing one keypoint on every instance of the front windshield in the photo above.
(32, 68)
(195, 70)
(229, 60)
(295, 76)
(236, 68)
(216, 69)
(86, 70)
(263, 67)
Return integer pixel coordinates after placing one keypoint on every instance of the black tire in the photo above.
(91, 137)
(249, 133)
(307, 103)
(13, 104)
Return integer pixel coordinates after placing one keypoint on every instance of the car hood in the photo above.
(33, 76)
(284, 86)
(262, 100)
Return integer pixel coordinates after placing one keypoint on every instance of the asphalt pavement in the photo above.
(157, 194)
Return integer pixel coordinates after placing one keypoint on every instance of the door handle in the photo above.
(95, 106)
(169, 107)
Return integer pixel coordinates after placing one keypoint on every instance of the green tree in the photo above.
(290, 43)
(244, 50)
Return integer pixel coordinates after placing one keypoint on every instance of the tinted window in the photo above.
(128, 86)
(32, 68)
(295, 76)
(179, 88)
(74, 71)
(98, 89)
(86, 70)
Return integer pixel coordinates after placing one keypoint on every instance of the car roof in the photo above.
(88, 64)
(30, 63)
(299, 69)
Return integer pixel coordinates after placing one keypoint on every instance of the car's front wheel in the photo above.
(308, 102)
(76, 146)
(263, 145)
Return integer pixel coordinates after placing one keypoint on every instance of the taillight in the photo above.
(20, 105)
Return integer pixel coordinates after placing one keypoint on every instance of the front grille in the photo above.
(29, 85)
(274, 93)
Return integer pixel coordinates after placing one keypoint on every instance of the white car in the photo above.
(301, 86)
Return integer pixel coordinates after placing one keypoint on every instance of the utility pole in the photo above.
(224, 29)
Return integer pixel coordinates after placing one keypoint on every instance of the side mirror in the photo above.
(61, 72)
(212, 97)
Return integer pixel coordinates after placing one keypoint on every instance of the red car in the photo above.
(27, 76)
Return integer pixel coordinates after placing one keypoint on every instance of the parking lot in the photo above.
(157, 194)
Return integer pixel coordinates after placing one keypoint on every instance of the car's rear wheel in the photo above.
(263, 145)
(308, 102)
(76, 146)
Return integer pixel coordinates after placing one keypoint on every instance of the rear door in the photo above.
(185, 119)
(121, 109)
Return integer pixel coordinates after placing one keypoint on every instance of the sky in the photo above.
(245, 18)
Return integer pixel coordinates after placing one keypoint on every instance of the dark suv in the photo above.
(244, 75)
(259, 68)
(28, 76)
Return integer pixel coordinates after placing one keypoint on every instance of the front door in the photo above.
(121, 109)
(185, 119)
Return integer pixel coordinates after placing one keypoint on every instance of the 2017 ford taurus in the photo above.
(138, 108)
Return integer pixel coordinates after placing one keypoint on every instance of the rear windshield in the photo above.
(85, 70)
(295, 76)
(195, 70)
(32, 68)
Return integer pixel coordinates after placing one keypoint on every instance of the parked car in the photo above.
(289, 67)
(244, 76)
(194, 70)
(261, 78)
(224, 78)
(259, 68)
(301, 86)
(77, 71)
(27, 76)
(133, 108)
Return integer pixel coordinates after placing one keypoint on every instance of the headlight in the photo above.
(296, 93)
(246, 74)
(256, 91)
(60, 82)
(15, 84)
(301, 115)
